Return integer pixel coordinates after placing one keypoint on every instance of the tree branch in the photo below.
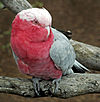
(16, 5)
(69, 86)
(87, 55)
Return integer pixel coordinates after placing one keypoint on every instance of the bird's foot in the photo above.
(36, 85)
(56, 82)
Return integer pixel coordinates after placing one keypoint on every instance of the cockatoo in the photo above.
(40, 50)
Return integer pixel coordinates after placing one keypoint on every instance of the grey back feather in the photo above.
(62, 52)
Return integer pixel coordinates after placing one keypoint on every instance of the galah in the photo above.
(40, 50)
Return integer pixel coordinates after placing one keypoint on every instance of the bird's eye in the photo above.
(36, 22)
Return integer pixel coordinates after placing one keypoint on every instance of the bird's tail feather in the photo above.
(79, 68)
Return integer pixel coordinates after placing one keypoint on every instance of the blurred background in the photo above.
(82, 17)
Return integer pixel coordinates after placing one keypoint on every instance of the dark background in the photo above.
(79, 16)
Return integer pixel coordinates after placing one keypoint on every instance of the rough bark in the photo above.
(87, 55)
(69, 86)
(16, 5)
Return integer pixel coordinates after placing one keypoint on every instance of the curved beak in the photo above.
(48, 29)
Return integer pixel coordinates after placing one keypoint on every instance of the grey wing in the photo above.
(62, 52)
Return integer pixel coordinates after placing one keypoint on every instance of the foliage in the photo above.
(1, 5)
(37, 4)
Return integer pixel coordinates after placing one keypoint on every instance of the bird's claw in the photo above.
(56, 82)
(36, 85)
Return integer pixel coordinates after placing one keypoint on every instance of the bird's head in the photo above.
(35, 23)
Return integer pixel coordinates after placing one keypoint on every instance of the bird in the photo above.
(40, 50)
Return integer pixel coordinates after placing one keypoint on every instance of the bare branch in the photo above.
(16, 5)
(71, 85)
(87, 54)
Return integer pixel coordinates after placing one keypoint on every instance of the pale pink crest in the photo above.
(36, 14)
